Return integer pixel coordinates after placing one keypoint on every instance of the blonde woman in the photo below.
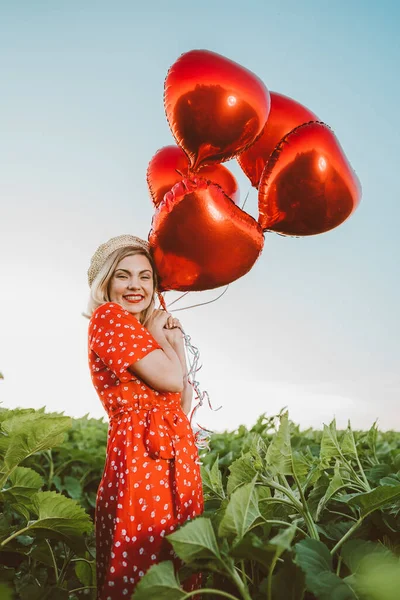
(151, 481)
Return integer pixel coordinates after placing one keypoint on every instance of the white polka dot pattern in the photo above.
(151, 481)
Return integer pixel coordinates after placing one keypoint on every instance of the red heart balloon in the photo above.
(170, 164)
(308, 185)
(200, 239)
(285, 115)
(215, 107)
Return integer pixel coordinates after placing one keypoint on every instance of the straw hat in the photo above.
(104, 250)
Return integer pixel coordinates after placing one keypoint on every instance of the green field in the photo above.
(289, 514)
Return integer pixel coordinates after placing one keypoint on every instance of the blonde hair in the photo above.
(99, 290)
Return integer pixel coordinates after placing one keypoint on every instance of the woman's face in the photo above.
(131, 284)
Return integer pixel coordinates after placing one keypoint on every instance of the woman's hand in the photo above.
(156, 324)
(173, 332)
(162, 325)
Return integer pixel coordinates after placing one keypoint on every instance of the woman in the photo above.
(151, 481)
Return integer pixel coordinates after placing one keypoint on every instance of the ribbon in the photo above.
(166, 437)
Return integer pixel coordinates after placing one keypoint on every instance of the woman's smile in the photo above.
(134, 298)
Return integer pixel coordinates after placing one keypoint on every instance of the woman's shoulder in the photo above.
(109, 311)
(110, 315)
(107, 308)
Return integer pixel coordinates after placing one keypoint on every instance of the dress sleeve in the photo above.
(119, 339)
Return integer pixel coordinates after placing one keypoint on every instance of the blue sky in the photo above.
(315, 324)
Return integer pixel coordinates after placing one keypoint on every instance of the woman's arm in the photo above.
(161, 369)
(175, 337)
(187, 392)
(187, 397)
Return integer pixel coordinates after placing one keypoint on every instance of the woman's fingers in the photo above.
(166, 319)
(160, 317)
(172, 322)
(176, 323)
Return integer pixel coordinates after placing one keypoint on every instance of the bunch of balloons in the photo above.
(217, 110)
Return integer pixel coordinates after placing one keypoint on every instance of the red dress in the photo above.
(151, 481)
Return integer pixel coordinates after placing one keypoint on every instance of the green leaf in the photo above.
(288, 583)
(23, 509)
(159, 583)
(73, 487)
(372, 437)
(57, 483)
(85, 572)
(335, 484)
(377, 472)
(24, 483)
(345, 498)
(280, 457)
(58, 517)
(40, 551)
(330, 447)
(41, 434)
(276, 506)
(241, 471)
(314, 470)
(226, 460)
(195, 540)
(314, 559)
(378, 577)
(282, 541)
(16, 422)
(216, 513)
(241, 512)
(334, 530)
(375, 569)
(257, 451)
(252, 547)
(5, 524)
(317, 493)
(279, 453)
(26, 478)
(20, 420)
(393, 479)
(300, 466)
(348, 444)
(25, 540)
(212, 479)
(370, 501)
(265, 507)
(355, 551)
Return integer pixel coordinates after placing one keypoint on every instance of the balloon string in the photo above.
(161, 300)
(200, 304)
(202, 435)
(245, 200)
(177, 299)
